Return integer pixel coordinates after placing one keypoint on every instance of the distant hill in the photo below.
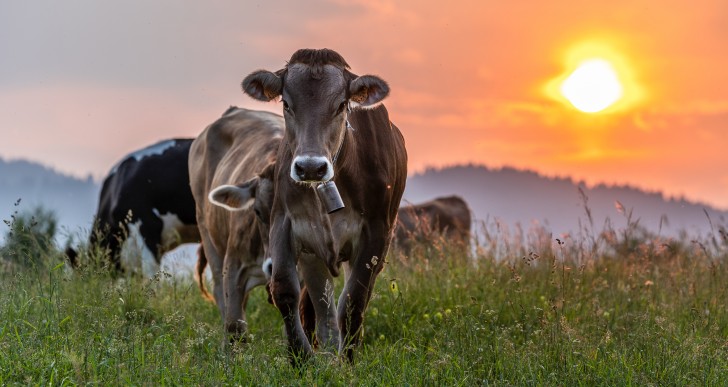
(72, 199)
(516, 196)
(508, 195)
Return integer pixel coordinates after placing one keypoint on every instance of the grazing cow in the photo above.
(261, 190)
(336, 131)
(447, 216)
(145, 207)
(224, 164)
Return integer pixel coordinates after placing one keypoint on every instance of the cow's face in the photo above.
(316, 100)
(256, 194)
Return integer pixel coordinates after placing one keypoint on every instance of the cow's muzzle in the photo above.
(313, 169)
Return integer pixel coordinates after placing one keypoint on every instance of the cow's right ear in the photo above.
(263, 85)
(235, 197)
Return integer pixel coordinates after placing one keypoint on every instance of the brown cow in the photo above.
(234, 149)
(260, 188)
(447, 216)
(336, 131)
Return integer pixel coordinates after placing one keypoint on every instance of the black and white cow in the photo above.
(146, 207)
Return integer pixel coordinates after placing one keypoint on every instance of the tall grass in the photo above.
(614, 307)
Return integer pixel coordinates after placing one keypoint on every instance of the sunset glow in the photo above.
(593, 86)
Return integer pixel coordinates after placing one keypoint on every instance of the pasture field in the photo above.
(618, 308)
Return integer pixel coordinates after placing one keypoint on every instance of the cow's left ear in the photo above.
(367, 91)
(235, 197)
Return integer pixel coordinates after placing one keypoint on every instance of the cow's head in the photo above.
(256, 193)
(317, 90)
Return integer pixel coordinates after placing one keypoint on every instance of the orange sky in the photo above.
(85, 83)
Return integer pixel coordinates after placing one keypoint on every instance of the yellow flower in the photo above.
(438, 316)
(426, 316)
(393, 287)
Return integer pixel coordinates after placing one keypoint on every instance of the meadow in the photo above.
(600, 307)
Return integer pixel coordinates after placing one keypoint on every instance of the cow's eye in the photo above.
(285, 106)
(257, 213)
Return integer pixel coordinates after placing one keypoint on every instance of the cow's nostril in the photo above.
(322, 169)
(298, 169)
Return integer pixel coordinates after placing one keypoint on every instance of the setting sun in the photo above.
(593, 86)
(599, 76)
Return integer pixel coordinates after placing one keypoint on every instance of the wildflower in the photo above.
(381, 337)
(649, 283)
(426, 316)
(393, 287)
(438, 316)
(448, 312)
(374, 311)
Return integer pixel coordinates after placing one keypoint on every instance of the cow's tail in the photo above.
(199, 274)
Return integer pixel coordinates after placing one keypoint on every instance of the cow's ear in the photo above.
(367, 91)
(263, 85)
(235, 197)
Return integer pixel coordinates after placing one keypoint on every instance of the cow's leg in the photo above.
(286, 290)
(112, 243)
(150, 231)
(239, 277)
(235, 326)
(108, 240)
(105, 237)
(308, 316)
(359, 285)
(320, 288)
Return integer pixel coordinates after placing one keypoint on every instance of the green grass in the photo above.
(639, 312)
